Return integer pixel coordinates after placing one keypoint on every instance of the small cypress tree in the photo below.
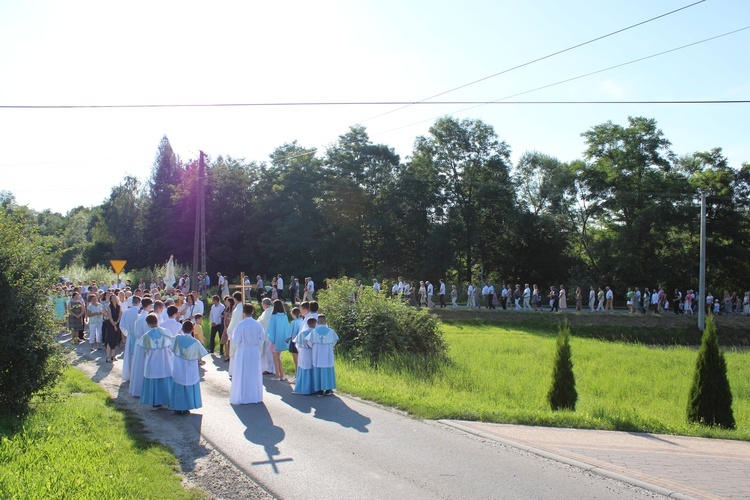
(710, 399)
(562, 395)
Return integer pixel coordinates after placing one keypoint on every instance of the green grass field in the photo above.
(502, 375)
(79, 445)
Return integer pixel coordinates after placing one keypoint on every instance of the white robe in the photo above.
(233, 322)
(127, 326)
(139, 356)
(247, 381)
(172, 326)
(266, 355)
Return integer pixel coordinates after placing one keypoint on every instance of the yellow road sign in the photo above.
(118, 265)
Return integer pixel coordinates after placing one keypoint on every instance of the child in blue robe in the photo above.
(158, 365)
(322, 340)
(186, 390)
(304, 383)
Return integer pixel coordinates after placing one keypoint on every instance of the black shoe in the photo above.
(329, 392)
(321, 393)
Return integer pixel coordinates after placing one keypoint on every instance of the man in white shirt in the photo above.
(280, 287)
(310, 289)
(217, 324)
(470, 295)
(430, 291)
(441, 293)
(400, 285)
(490, 296)
(610, 299)
(375, 286)
(527, 298)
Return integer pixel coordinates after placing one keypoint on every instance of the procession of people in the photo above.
(159, 334)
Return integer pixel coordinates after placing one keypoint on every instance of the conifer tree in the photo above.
(562, 394)
(710, 399)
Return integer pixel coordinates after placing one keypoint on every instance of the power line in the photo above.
(496, 101)
(536, 60)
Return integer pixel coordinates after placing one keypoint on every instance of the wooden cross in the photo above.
(241, 286)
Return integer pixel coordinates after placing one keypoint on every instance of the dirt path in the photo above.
(201, 465)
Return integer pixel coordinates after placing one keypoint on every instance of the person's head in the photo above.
(114, 299)
(295, 312)
(158, 306)
(229, 302)
(304, 308)
(172, 311)
(322, 319)
(136, 301)
(278, 306)
(248, 310)
(215, 299)
(312, 322)
(198, 318)
(152, 320)
(93, 299)
(313, 306)
(237, 296)
(147, 303)
(190, 299)
(187, 326)
(266, 303)
(218, 274)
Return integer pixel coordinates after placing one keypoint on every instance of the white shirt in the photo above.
(376, 286)
(490, 290)
(311, 286)
(485, 290)
(407, 289)
(279, 283)
(430, 289)
(216, 311)
(400, 286)
(442, 289)
(610, 294)
(526, 292)
(470, 290)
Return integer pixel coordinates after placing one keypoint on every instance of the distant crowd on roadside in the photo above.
(532, 298)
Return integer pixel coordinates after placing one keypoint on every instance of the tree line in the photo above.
(627, 213)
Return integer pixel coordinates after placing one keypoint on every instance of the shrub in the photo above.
(710, 398)
(562, 394)
(30, 359)
(371, 325)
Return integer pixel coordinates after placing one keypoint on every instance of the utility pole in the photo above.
(199, 241)
(702, 271)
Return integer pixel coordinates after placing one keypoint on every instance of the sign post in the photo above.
(117, 267)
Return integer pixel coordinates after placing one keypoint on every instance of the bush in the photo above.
(30, 359)
(710, 399)
(562, 395)
(371, 325)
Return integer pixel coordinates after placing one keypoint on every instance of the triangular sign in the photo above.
(118, 265)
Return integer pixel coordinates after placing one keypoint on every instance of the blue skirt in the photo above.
(157, 391)
(186, 397)
(305, 383)
(324, 379)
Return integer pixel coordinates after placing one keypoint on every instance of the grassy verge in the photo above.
(78, 444)
(499, 374)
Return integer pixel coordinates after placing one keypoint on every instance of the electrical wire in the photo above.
(528, 63)
(497, 101)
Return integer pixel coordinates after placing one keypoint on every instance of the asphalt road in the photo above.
(339, 447)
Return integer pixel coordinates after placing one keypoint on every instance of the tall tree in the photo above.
(474, 186)
(162, 209)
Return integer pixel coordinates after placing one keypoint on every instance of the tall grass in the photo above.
(78, 445)
(502, 375)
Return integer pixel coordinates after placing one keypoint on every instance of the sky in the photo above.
(82, 53)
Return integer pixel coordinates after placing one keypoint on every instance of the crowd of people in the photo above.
(161, 342)
(532, 298)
